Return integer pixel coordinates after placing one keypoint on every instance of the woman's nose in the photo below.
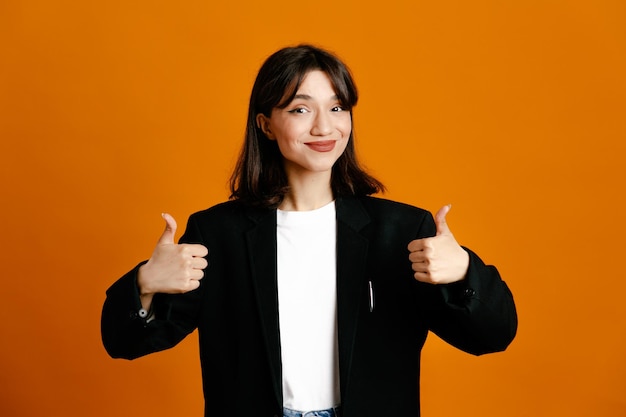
(322, 125)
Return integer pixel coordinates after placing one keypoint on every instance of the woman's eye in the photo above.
(337, 108)
(299, 110)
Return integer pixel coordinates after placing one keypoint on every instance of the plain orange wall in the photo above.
(513, 111)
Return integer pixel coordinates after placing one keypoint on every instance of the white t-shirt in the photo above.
(307, 300)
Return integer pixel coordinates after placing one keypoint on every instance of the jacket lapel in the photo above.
(261, 241)
(351, 277)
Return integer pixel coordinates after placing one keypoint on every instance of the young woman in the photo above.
(310, 297)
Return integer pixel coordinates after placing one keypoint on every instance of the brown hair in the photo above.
(259, 177)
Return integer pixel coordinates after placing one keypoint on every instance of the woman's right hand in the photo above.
(172, 268)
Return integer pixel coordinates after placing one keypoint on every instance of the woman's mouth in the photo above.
(322, 145)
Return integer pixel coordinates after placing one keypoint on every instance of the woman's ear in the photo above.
(263, 123)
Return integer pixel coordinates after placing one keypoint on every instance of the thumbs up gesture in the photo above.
(172, 268)
(439, 259)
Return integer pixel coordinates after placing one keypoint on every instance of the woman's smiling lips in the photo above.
(322, 145)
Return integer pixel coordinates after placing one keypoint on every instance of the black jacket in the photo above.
(236, 310)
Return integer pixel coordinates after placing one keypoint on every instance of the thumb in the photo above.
(440, 220)
(170, 230)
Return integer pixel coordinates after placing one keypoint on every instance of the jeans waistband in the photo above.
(331, 412)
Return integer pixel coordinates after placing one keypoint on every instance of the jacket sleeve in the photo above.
(477, 314)
(127, 335)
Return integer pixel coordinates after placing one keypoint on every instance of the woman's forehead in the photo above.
(310, 85)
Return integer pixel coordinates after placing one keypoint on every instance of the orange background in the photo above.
(514, 111)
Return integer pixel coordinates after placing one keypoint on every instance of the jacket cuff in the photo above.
(470, 287)
(124, 293)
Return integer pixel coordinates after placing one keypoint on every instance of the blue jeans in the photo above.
(331, 412)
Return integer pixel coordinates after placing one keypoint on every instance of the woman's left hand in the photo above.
(439, 259)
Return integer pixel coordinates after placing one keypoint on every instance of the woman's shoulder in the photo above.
(386, 206)
(359, 211)
(229, 206)
(227, 211)
(387, 216)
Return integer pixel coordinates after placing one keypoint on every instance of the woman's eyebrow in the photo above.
(308, 97)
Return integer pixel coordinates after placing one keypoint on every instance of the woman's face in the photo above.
(313, 130)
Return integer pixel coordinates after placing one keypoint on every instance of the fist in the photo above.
(439, 259)
(172, 268)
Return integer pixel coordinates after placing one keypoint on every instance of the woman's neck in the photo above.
(308, 192)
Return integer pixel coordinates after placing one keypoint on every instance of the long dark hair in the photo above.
(259, 176)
